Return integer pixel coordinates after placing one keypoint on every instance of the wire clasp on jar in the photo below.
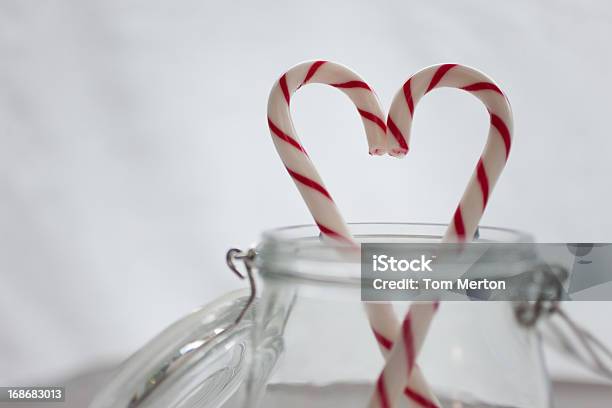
(248, 260)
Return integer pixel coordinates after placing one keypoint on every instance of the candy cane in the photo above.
(320, 203)
(400, 365)
(495, 154)
(292, 153)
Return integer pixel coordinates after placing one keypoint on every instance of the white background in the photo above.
(134, 148)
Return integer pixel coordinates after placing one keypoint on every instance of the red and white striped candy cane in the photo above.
(495, 154)
(383, 321)
(292, 152)
(399, 365)
(302, 170)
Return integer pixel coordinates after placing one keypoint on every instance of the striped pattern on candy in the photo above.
(401, 368)
(417, 391)
(495, 154)
(289, 147)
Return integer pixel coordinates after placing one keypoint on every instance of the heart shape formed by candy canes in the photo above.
(395, 342)
(391, 136)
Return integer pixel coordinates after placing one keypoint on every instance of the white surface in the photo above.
(80, 391)
(135, 148)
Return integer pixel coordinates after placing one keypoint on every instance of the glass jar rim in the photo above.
(284, 234)
(299, 253)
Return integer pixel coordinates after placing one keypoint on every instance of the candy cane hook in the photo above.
(495, 154)
(289, 147)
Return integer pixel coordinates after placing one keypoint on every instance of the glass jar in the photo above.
(305, 341)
